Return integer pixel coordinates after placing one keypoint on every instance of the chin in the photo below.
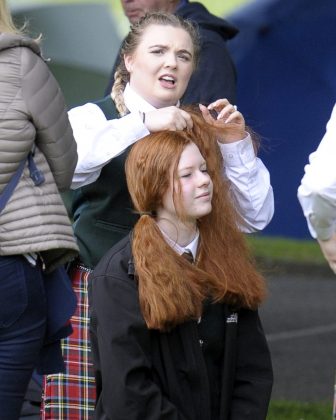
(207, 211)
(202, 213)
(167, 99)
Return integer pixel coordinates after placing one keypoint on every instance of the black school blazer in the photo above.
(144, 374)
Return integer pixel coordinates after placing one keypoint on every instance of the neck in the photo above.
(154, 102)
(179, 232)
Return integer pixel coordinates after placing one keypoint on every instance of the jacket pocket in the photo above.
(113, 227)
(13, 291)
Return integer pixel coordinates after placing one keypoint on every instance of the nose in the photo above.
(170, 60)
(203, 179)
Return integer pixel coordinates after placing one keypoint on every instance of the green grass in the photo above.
(278, 249)
(292, 410)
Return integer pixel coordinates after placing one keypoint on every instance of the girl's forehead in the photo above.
(191, 155)
(166, 34)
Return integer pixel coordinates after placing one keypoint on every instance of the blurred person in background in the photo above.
(317, 193)
(215, 76)
(37, 160)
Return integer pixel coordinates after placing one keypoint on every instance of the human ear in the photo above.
(128, 60)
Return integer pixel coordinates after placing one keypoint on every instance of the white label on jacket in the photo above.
(232, 318)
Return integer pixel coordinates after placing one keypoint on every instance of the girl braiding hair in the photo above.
(156, 63)
(171, 290)
(121, 76)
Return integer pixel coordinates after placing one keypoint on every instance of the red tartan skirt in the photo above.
(71, 395)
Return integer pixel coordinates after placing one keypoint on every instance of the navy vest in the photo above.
(102, 211)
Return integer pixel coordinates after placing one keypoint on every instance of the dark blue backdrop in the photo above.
(286, 62)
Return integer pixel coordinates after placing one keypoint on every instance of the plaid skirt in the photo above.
(71, 395)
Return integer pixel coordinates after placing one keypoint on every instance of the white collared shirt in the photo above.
(317, 191)
(100, 140)
(192, 246)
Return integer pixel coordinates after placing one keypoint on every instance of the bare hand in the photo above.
(226, 113)
(169, 118)
(328, 249)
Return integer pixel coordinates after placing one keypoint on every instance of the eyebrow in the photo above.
(165, 46)
(191, 167)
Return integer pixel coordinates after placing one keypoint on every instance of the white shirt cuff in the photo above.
(239, 153)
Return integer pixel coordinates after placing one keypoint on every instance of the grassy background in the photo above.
(285, 250)
(291, 410)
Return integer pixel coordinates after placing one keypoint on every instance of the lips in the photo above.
(204, 195)
(133, 13)
(167, 81)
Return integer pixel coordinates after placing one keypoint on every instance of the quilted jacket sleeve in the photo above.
(47, 110)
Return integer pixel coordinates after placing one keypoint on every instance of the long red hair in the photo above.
(171, 290)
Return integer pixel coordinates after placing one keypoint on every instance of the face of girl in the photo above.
(162, 64)
(195, 185)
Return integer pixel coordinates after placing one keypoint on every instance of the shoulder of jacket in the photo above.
(9, 40)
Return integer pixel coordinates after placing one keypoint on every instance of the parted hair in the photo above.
(171, 290)
(133, 39)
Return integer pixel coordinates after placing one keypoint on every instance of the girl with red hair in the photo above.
(174, 337)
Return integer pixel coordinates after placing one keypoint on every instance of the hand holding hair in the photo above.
(169, 118)
(226, 113)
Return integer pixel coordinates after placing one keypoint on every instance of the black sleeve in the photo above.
(121, 349)
(215, 76)
(254, 374)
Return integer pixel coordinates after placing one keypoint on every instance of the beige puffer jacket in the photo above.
(32, 109)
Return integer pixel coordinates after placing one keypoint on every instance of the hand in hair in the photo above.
(169, 118)
(226, 115)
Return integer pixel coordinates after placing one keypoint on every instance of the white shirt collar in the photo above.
(135, 103)
(192, 246)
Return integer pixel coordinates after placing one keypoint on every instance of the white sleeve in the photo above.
(251, 190)
(317, 191)
(100, 140)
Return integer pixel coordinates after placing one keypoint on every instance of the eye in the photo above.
(184, 57)
(158, 51)
(187, 175)
(204, 170)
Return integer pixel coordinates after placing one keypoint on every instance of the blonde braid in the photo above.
(118, 88)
